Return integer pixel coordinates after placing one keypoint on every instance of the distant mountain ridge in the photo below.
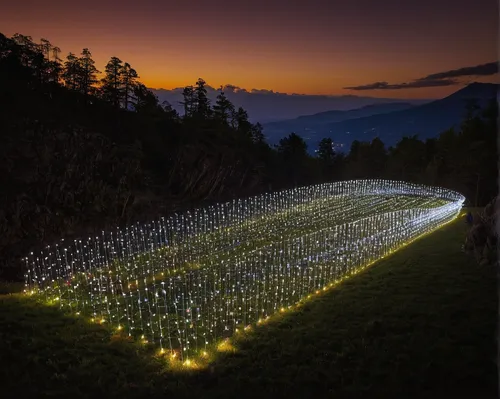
(266, 105)
(426, 121)
(308, 124)
(371, 108)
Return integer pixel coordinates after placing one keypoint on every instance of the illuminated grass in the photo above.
(420, 323)
(190, 295)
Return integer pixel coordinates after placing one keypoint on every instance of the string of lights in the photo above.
(191, 280)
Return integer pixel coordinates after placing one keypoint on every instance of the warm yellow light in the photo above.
(225, 346)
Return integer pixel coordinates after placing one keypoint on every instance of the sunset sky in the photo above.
(307, 47)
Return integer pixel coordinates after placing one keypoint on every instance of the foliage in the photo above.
(83, 151)
(463, 160)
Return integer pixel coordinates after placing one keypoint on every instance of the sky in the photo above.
(328, 47)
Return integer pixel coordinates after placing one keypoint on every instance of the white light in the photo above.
(188, 281)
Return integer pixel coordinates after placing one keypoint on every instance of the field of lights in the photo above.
(188, 282)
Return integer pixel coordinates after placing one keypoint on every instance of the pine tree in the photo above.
(189, 102)
(129, 84)
(203, 110)
(242, 125)
(51, 63)
(223, 108)
(326, 152)
(88, 73)
(56, 67)
(112, 89)
(45, 47)
(145, 100)
(71, 72)
(257, 133)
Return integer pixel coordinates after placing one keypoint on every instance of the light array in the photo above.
(191, 280)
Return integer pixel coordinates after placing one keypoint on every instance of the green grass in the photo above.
(420, 323)
(207, 251)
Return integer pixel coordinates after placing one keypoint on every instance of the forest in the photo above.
(84, 150)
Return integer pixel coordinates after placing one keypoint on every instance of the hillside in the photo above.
(386, 332)
(427, 120)
(75, 159)
(307, 125)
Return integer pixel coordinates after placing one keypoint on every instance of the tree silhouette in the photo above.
(87, 73)
(202, 103)
(129, 83)
(377, 156)
(366, 160)
(189, 101)
(50, 65)
(71, 73)
(112, 89)
(240, 121)
(407, 159)
(145, 100)
(325, 151)
(327, 157)
(257, 133)
(223, 108)
(293, 150)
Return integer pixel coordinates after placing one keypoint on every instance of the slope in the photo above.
(426, 120)
(307, 124)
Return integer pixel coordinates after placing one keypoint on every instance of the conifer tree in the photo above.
(112, 89)
(223, 108)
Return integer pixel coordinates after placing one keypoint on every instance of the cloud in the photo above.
(371, 86)
(411, 85)
(490, 68)
(234, 89)
(262, 91)
(446, 78)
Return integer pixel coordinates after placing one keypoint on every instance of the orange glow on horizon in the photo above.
(309, 49)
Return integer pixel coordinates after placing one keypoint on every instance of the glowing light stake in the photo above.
(188, 282)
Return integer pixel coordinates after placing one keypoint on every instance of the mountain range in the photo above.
(388, 121)
(266, 105)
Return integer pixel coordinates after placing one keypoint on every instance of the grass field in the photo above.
(279, 259)
(420, 323)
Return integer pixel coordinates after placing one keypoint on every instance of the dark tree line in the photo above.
(463, 159)
(83, 151)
